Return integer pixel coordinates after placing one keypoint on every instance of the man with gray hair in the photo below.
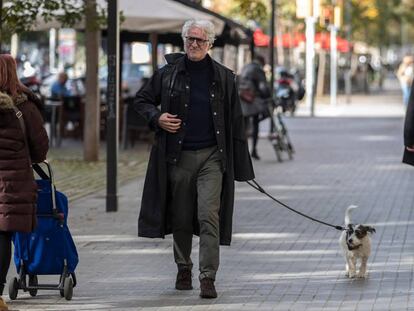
(200, 149)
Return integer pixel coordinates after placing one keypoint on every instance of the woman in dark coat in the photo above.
(253, 78)
(409, 131)
(18, 190)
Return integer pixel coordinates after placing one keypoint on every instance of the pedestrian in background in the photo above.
(193, 105)
(59, 88)
(409, 131)
(254, 93)
(18, 190)
(405, 75)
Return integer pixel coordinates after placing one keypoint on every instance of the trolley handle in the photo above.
(48, 176)
(42, 174)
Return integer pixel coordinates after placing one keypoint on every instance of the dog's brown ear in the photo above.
(370, 229)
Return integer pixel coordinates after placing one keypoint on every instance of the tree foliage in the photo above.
(380, 22)
(376, 22)
(246, 10)
(19, 16)
(259, 11)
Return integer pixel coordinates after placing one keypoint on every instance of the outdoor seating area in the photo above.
(65, 119)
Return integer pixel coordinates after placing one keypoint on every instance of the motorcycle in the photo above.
(32, 83)
(285, 94)
(289, 90)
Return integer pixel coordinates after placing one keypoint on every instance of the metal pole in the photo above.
(112, 119)
(310, 66)
(272, 47)
(334, 62)
(348, 81)
(52, 49)
(272, 55)
(14, 45)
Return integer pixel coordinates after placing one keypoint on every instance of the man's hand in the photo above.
(411, 149)
(169, 122)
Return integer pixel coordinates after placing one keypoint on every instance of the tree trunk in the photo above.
(154, 51)
(1, 22)
(92, 100)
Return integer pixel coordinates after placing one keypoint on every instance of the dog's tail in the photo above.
(348, 214)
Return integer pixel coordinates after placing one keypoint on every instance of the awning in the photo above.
(293, 40)
(160, 16)
(288, 40)
(233, 32)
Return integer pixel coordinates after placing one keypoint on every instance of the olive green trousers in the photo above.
(195, 185)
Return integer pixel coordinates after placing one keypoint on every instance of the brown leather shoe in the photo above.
(184, 280)
(207, 288)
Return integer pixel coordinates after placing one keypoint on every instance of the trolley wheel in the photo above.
(68, 288)
(33, 282)
(13, 288)
(62, 294)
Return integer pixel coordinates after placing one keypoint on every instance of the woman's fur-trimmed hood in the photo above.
(7, 102)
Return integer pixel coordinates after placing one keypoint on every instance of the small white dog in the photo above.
(355, 242)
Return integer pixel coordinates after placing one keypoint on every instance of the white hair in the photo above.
(205, 25)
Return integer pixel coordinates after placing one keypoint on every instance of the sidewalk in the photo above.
(77, 178)
(384, 104)
(277, 260)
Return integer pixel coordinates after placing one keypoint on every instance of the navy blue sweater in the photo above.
(199, 124)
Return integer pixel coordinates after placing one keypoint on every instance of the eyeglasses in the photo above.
(191, 40)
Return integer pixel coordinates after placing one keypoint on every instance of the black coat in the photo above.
(168, 91)
(409, 130)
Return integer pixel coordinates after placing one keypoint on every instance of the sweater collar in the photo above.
(178, 59)
(196, 65)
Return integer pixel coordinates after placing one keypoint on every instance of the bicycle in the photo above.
(279, 137)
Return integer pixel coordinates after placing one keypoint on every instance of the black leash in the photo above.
(259, 188)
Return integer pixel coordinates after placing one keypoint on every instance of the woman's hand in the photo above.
(169, 122)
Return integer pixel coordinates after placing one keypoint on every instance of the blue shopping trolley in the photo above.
(49, 250)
